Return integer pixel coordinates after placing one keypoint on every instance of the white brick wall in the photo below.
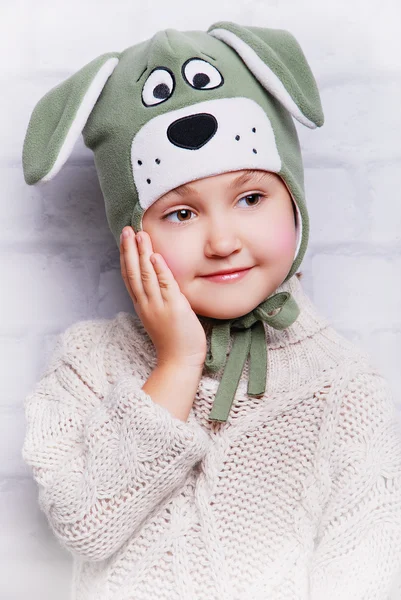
(59, 263)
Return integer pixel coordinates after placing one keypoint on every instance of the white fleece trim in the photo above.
(264, 74)
(83, 112)
(299, 229)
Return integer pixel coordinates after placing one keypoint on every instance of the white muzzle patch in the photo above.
(201, 140)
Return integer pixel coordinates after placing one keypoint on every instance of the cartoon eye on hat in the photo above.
(158, 87)
(201, 75)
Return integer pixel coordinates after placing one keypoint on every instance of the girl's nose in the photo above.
(222, 244)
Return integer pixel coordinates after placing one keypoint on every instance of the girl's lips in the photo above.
(228, 277)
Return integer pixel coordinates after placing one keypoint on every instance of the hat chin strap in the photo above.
(249, 339)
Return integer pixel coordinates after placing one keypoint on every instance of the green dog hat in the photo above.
(179, 107)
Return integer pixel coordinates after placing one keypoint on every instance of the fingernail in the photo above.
(139, 238)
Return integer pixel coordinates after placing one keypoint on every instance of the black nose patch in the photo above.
(192, 132)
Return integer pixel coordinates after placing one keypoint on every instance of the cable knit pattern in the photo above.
(296, 497)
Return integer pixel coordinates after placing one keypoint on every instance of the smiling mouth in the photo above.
(227, 277)
(228, 272)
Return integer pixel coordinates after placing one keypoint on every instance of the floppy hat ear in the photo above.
(276, 59)
(59, 118)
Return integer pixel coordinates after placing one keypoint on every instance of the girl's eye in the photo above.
(177, 212)
(186, 210)
(251, 196)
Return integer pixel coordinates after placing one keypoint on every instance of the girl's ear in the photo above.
(59, 118)
(276, 59)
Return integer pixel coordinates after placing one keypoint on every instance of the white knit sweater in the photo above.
(296, 497)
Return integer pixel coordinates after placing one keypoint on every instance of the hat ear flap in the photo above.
(276, 59)
(59, 118)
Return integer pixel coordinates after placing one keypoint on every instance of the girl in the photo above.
(226, 441)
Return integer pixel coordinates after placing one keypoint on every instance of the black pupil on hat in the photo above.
(161, 91)
(200, 80)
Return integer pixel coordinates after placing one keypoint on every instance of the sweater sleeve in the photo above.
(103, 465)
(358, 548)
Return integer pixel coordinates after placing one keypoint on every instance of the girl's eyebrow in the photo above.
(252, 175)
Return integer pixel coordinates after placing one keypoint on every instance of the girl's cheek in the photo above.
(278, 242)
(179, 256)
(285, 239)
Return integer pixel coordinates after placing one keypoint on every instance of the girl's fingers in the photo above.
(149, 278)
(167, 282)
(145, 279)
(124, 275)
(130, 267)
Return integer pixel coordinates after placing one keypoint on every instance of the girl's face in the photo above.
(238, 219)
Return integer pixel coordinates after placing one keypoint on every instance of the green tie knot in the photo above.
(249, 340)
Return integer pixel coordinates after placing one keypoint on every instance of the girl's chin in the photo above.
(225, 312)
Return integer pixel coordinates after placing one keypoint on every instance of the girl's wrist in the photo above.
(181, 366)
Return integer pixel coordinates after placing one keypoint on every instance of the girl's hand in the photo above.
(165, 312)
